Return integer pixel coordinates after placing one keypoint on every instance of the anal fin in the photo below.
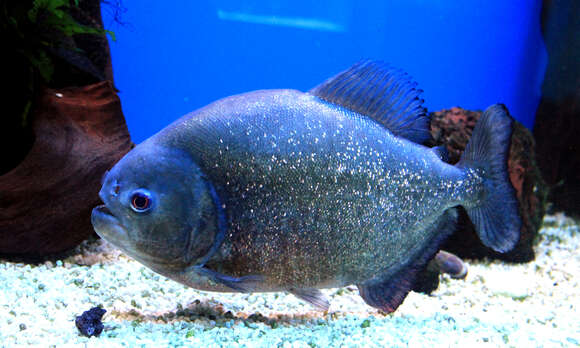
(389, 292)
(313, 296)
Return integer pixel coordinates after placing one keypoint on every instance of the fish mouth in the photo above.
(107, 226)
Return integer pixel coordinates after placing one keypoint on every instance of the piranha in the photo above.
(281, 190)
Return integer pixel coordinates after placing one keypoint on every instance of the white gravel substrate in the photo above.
(529, 305)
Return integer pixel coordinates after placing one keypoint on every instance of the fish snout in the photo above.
(110, 188)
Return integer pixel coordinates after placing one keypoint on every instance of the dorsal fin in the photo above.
(385, 94)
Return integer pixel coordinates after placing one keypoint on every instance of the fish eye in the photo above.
(141, 201)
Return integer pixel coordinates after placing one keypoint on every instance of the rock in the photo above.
(428, 279)
(46, 201)
(89, 323)
(453, 128)
(450, 264)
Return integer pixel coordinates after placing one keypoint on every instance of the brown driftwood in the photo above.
(453, 128)
(46, 201)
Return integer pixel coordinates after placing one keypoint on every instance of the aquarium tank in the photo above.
(290, 173)
(171, 59)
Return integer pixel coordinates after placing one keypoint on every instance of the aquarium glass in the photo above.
(172, 58)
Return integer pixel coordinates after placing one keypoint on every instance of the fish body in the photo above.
(314, 194)
(280, 190)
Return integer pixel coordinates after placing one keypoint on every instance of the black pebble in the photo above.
(89, 323)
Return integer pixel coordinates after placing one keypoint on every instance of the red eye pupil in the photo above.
(140, 201)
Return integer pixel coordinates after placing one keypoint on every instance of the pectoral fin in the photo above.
(248, 283)
(312, 296)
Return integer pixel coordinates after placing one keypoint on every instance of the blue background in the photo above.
(170, 58)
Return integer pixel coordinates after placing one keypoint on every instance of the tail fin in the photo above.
(496, 217)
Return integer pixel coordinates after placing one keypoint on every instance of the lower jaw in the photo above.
(107, 226)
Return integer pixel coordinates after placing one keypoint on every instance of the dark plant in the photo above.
(40, 48)
(37, 30)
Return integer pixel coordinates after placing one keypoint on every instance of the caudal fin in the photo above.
(496, 216)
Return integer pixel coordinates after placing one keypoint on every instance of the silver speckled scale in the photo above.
(315, 194)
